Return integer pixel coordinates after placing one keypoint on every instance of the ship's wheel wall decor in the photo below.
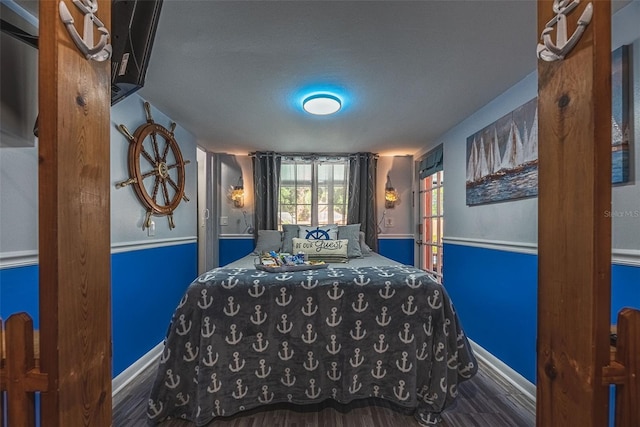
(156, 168)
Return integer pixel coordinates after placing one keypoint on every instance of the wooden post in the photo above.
(74, 223)
(574, 234)
(628, 355)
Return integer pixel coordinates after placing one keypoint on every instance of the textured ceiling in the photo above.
(234, 72)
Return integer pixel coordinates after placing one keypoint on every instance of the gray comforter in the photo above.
(242, 338)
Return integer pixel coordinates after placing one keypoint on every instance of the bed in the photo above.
(241, 338)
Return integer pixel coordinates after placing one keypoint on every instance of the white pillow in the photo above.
(321, 232)
(323, 250)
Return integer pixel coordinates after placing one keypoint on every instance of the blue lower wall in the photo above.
(400, 250)
(495, 294)
(146, 285)
(234, 249)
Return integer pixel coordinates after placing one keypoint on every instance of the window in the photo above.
(431, 179)
(313, 191)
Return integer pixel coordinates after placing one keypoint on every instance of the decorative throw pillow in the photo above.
(322, 232)
(366, 250)
(322, 250)
(351, 232)
(268, 240)
(289, 231)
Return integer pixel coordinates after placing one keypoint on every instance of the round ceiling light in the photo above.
(322, 104)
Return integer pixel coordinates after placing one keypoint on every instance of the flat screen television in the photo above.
(133, 29)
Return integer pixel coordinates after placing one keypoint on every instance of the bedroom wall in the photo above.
(490, 267)
(148, 273)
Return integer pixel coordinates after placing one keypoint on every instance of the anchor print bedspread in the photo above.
(242, 338)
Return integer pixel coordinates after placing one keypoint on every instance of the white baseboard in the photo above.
(527, 388)
(126, 376)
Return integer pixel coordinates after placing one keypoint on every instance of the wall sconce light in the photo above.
(391, 196)
(237, 194)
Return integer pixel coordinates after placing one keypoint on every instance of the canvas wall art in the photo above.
(502, 158)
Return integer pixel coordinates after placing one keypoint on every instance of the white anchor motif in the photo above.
(408, 311)
(357, 359)
(309, 364)
(333, 322)
(283, 277)
(215, 385)
(428, 329)
(183, 301)
(378, 373)
(388, 292)
(435, 302)
(259, 316)
(439, 349)
(233, 340)
(282, 300)
(460, 339)
(171, 381)
(284, 354)
(259, 273)
(256, 290)
(429, 419)
(184, 329)
(384, 273)
(207, 328)
(240, 394)
(333, 349)
(411, 282)
(231, 311)
(334, 393)
(312, 394)
(548, 51)
(100, 52)
(290, 380)
(422, 354)
(383, 320)
(355, 385)
(165, 355)
(359, 308)
(190, 356)
(258, 346)
(230, 283)
(376, 390)
(445, 327)
(398, 391)
(381, 346)
(236, 360)
(265, 393)
(289, 397)
(206, 302)
(430, 398)
(210, 361)
(452, 362)
(333, 293)
(333, 373)
(360, 281)
(309, 337)
(358, 335)
(219, 411)
(443, 384)
(308, 284)
(466, 371)
(182, 400)
(404, 368)
(263, 373)
(197, 374)
(154, 409)
(404, 337)
(209, 275)
(331, 272)
(284, 329)
(453, 390)
(309, 311)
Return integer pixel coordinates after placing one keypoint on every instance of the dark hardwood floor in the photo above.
(484, 401)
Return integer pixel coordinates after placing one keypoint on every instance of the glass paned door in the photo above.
(431, 223)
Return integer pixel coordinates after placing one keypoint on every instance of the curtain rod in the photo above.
(350, 155)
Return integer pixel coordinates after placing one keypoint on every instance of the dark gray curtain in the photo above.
(362, 195)
(266, 181)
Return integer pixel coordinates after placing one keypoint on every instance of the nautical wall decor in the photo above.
(502, 158)
(550, 51)
(156, 168)
(98, 52)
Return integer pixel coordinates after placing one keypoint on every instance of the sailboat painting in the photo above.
(502, 158)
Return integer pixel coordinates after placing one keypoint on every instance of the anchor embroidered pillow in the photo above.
(322, 249)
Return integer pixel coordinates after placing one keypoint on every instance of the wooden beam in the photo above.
(628, 355)
(74, 224)
(574, 234)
